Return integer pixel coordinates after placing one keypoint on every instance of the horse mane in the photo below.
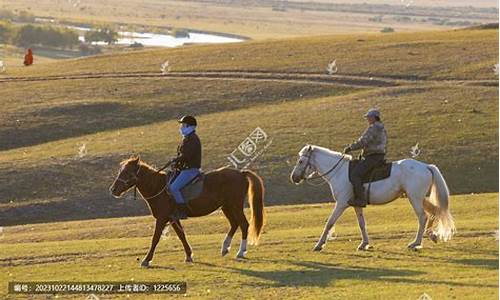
(126, 161)
(141, 163)
(326, 150)
(320, 149)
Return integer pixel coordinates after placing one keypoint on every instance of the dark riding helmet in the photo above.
(189, 120)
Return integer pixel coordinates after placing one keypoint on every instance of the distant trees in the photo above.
(376, 18)
(27, 34)
(30, 35)
(7, 15)
(87, 49)
(387, 30)
(104, 34)
(179, 33)
(6, 32)
(22, 17)
(25, 17)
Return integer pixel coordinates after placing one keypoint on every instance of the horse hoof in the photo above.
(414, 247)
(433, 237)
(224, 252)
(318, 248)
(189, 260)
(364, 247)
(145, 264)
(241, 255)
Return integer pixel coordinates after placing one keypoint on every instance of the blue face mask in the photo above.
(187, 130)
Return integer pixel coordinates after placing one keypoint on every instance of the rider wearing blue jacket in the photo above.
(187, 162)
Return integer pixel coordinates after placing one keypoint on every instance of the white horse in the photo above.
(408, 176)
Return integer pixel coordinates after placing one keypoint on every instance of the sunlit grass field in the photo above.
(282, 266)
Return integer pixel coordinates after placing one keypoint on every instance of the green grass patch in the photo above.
(283, 265)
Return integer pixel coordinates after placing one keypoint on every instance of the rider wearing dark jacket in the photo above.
(189, 152)
(187, 162)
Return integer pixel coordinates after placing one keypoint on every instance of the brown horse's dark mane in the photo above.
(126, 161)
(140, 164)
(148, 167)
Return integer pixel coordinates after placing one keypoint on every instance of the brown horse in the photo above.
(224, 187)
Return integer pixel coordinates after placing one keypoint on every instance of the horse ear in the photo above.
(135, 159)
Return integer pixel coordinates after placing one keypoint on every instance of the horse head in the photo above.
(127, 177)
(299, 172)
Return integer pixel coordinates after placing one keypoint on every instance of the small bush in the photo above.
(180, 33)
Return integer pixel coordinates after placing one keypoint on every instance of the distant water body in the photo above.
(163, 40)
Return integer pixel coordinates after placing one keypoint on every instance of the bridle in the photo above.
(308, 154)
(136, 178)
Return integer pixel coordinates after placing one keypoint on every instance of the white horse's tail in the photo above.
(444, 226)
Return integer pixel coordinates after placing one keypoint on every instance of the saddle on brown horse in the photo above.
(193, 188)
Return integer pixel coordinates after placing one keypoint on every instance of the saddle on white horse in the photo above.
(379, 172)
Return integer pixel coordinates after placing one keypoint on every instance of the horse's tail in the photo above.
(256, 202)
(439, 197)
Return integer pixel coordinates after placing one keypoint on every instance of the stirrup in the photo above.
(356, 203)
(180, 214)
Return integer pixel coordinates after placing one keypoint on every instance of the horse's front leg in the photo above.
(365, 245)
(337, 212)
(182, 236)
(159, 226)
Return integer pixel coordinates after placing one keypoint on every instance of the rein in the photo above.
(329, 171)
(136, 178)
(320, 175)
(166, 165)
(158, 194)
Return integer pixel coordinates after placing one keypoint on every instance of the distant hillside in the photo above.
(435, 89)
(460, 54)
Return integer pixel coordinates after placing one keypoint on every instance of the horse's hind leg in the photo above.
(179, 230)
(362, 227)
(243, 223)
(417, 202)
(431, 211)
(226, 245)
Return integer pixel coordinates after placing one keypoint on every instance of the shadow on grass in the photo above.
(424, 256)
(307, 273)
(488, 263)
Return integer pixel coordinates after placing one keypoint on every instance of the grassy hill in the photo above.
(283, 265)
(459, 54)
(443, 94)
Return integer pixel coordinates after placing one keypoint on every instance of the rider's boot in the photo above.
(180, 212)
(359, 199)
